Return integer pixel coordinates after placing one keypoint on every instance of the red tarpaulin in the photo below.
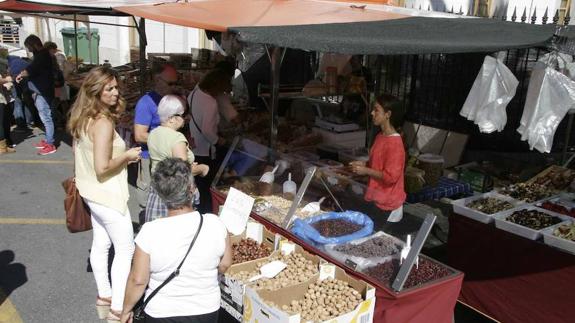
(27, 7)
(510, 278)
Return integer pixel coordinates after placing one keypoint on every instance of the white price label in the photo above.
(326, 271)
(287, 247)
(255, 231)
(236, 211)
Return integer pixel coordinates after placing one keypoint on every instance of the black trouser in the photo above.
(203, 318)
(5, 118)
(203, 183)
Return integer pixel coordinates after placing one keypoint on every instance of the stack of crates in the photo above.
(9, 32)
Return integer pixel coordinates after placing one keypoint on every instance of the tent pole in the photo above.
(567, 137)
(76, 41)
(141, 28)
(276, 59)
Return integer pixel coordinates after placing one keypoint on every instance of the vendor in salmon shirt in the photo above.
(386, 164)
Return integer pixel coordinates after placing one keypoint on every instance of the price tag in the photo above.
(326, 271)
(255, 231)
(236, 211)
(287, 247)
(350, 264)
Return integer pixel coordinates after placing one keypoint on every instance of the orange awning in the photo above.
(218, 15)
(26, 7)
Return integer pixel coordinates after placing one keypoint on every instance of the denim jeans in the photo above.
(45, 113)
(22, 113)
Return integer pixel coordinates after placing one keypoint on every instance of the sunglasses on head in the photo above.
(181, 115)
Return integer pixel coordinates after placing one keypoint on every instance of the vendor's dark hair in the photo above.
(392, 103)
(173, 181)
(216, 82)
(226, 66)
(33, 42)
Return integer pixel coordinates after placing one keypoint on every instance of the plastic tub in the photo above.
(503, 224)
(433, 167)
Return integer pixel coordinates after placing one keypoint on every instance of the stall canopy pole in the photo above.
(567, 137)
(76, 40)
(141, 28)
(276, 55)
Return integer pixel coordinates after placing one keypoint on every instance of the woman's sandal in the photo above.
(103, 306)
(114, 316)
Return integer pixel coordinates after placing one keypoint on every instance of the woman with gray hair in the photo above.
(165, 141)
(198, 243)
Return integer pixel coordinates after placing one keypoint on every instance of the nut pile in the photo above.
(565, 231)
(298, 270)
(426, 271)
(558, 178)
(527, 192)
(324, 300)
(381, 246)
(249, 249)
(336, 227)
(490, 205)
(533, 219)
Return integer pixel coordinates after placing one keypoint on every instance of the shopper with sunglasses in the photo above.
(146, 119)
(164, 142)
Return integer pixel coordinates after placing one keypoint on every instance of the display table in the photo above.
(510, 278)
(446, 187)
(431, 303)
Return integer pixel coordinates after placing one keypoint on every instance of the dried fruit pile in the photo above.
(533, 219)
(426, 271)
(565, 231)
(336, 227)
(490, 205)
(527, 192)
(249, 249)
(298, 270)
(558, 208)
(324, 300)
(377, 247)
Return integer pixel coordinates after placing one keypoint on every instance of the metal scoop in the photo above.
(269, 177)
(270, 270)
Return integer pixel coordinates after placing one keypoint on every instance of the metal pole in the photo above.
(76, 41)
(568, 135)
(143, 42)
(275, 66)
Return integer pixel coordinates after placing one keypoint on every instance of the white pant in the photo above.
(111, 227)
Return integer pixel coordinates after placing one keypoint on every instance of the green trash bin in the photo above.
(84, 44)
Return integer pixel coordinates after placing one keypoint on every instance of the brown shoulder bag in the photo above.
(77, 211)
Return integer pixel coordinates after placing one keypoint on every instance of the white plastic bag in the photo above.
(492, 90)
(550, 96)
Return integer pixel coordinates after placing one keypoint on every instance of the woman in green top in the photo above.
(165, 141)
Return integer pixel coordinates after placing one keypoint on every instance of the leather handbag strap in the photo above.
(176, 272)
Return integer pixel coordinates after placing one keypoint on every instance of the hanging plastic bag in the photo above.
(492, 90)
(550, 96)
(560, 62)
(305, 230)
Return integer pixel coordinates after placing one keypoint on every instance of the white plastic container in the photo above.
(503, 224)
(550, 239)
(460, 206)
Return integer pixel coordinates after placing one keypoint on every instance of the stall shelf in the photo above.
(431, 302)
(508, 277)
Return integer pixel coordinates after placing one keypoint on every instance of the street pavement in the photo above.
(43, 267)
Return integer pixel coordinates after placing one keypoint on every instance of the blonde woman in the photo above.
(165, 141)
(101, 158)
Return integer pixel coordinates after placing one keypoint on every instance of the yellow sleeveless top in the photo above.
(112, 191)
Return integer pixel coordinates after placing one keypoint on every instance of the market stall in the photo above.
(351, 31)
(515, 242)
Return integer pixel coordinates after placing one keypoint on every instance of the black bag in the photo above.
(139, 315)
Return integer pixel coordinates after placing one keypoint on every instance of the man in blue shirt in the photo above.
(146, 119)
(22, 113)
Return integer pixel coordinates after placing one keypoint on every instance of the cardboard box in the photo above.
(232, 290)
(257, 310)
